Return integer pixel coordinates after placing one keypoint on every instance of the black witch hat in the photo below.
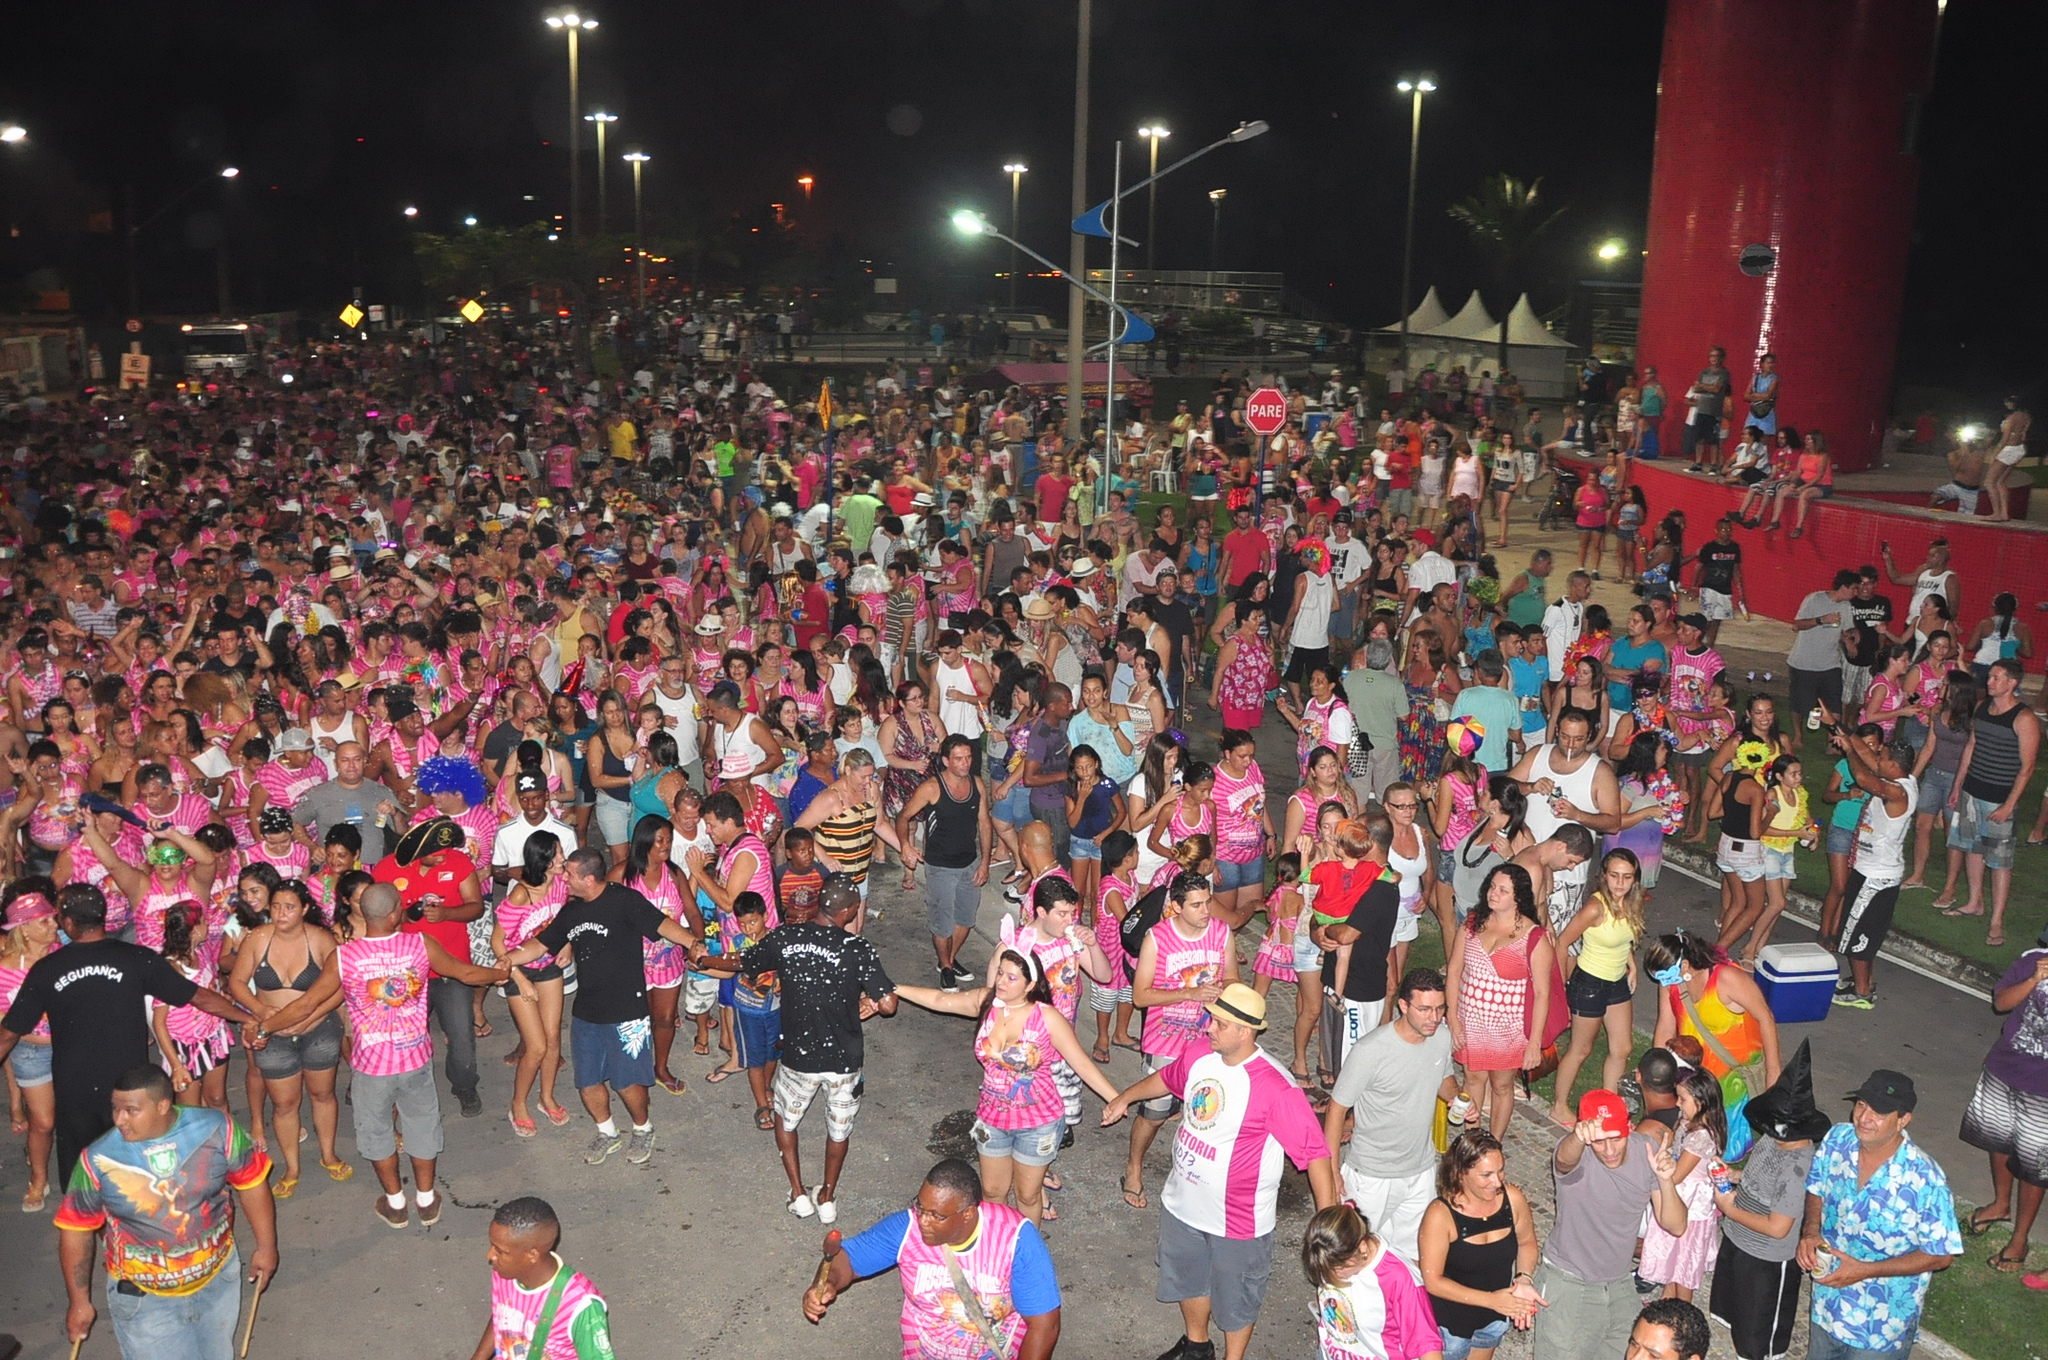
(1786, 1111)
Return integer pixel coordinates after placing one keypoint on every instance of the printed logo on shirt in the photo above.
(107, 971)
(1339, 1321)
(590, 928)
(1204, 1103)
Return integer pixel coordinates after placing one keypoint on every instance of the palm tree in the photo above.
(1505, 218)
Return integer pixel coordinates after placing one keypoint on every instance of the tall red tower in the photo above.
(1781, 202)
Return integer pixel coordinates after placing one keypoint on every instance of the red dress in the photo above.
(1493, 1000)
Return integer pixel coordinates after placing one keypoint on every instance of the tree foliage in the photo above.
(1505, 219)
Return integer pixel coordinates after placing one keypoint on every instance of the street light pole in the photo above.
(637, 159)
(1216, 197)
(1152, 133)
(1016, 171)
(574, 24)
(1417, 87)
(1077, 251)
(601, 118)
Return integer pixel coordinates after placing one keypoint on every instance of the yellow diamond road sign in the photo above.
(351, 316)
(471, 312)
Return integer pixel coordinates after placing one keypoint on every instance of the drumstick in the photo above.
(824, 1266)
(247, 1332)
(74, 1347)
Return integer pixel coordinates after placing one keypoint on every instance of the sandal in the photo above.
(558, 1116)
(1047, 1213)
(483, 1029)
(284, 1189)
(32, 1202)
(718, 1074)
(525, 1128)
(1135, 1198)
(1953, 912)
(702, 1048)
(1995, 940)
(1119, 1043)
(764, 1117)
(1099, 1054)
(1053, 1181)
(673, 1085)
(1975, 1226)
(337, 1170)
(2004, 1264)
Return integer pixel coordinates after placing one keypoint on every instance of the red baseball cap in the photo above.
(1608, 1109)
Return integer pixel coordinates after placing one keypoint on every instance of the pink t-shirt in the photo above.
(515, 1313)
(1381, 1313)
(1181, 964)
(1240, 1122)
(384, 981)
(1017, 1086)
(1240, 807)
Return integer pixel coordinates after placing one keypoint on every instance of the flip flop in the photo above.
(1101, 1055)
(2004, 1264)
(284, 1189)
(483, 1030)
(558, 1116)
(1053, 1181)
(764, 1117)
(1135, 1198)
(1048, 1213)
(525, 1128)
(1973, 1226)
(337, 1170)
(1995, 939)
(718, 1074)
(673, 1085)
(701, 1048)
(1960, 911)
(32, 1202)
(1118, 1043)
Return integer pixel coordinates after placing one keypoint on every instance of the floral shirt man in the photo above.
(1906, 1207)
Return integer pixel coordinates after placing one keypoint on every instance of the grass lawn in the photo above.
(1987, 1315)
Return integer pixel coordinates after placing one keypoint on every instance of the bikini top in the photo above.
(265, 978)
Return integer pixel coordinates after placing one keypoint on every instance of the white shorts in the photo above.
(1716, 606)
(1393, 1207)
(795, 1090)
(2012, 453)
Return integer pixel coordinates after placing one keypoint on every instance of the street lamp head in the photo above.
(569, 18)
(805, 182)
(1612, 250)
(1155, 131)
(469, 221)
(230, 172)
(636, 157)
(411, 211)
(13, 134)
(1258, 127)
(1426, 83)
(600, 116)
(1016, 168)
(970, 223)
(1216, 195)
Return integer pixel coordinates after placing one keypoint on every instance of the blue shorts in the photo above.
(1083, 847)
(1014, 808)
(1485, 1339)
(725, 993)
(617, 1056)
(758, 1036)
(1035, 1146)
(1231, 876)
(30, 1064)
(1778, 864)
(1841, 839)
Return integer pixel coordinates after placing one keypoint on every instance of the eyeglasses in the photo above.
(930, 1215)
(1400, 807)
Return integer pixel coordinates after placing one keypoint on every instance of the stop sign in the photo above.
(1265, 411)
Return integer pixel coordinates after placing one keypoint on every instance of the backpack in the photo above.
(1137, 923)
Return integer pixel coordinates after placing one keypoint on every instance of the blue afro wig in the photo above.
(452, 774)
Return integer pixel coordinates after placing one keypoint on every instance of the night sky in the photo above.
(341, 114)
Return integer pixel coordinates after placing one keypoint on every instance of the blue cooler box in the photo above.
(1798, 980)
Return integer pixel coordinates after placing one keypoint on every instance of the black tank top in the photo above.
(1476, 1265)
(1735, 814)
(1995, 766)
(952, 834)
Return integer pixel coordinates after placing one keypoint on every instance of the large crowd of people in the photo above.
(342, 709)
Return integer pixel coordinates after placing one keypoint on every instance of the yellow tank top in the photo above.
(1787, 819)
(1604, 949)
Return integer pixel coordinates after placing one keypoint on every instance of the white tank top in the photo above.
(1881, 838)
(345, 732)
(1566, 885)
(1411, 869)
(1312, 620)
(957, 716)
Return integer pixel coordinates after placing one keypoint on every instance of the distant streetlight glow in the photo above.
(13, 133)
(469, 221)
(805, 182)
(412, 211)
(1612, 250)
(572, 23)
(1415, 87)
(969, 223)
(1153, 133)
(1016, 170)
(230, 173)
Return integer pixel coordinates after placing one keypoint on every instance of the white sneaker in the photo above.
(828, 1209)
(801, 1206)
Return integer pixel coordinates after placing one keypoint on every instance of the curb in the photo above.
(1901, 947)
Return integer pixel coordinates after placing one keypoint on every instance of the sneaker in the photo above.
(430, 1212)
(1643, 1286)
(1845, 987)
(472, 1105)
(948, 981)
(828, 1209)
(641, 1146)
(801, 1206)
(603, 1145)
(1857, 1003)
(393, 1218)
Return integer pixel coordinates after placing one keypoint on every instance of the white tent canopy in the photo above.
(1471, 323)
(1426, 317)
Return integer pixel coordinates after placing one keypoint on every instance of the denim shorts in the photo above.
(1014, 808)
(1589, 997)
(1485, 1339)
(30, 1064)
(1084, 847)
(1231, 876)
(1935, 788)
(1744, 859)
(1035, 1146)
(1841, 839)
(759, 1035)
(1778, 864)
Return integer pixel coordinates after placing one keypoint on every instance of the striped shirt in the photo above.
(384, 981)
